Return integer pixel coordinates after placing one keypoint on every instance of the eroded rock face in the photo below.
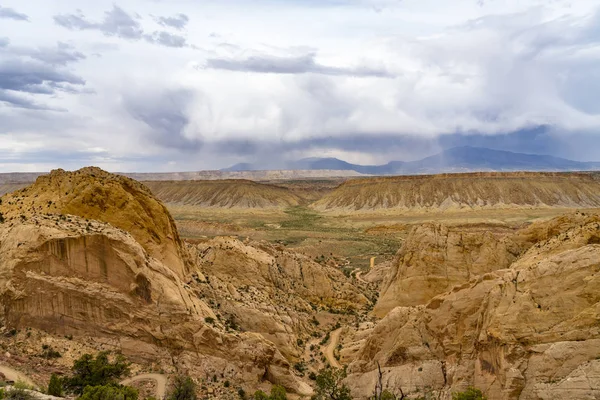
(71, 275)
(94, 194)
(435, 257)
(267, 289)
(530, 331)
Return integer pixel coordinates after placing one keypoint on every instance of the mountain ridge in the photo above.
(455, 159)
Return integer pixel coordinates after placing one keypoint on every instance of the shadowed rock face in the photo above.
(529, 331)
(435, 257)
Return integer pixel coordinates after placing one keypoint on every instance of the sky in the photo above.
(181, 85)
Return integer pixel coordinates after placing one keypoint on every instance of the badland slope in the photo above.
(464, 192)
(224, 194)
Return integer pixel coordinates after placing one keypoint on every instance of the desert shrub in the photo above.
(18, 394)
(470, 394)
(184, 388)
(241, 393)
(330, 385)
(260, 395)
(95, 371)
(277, 393)
(55, 387)
(109, 392)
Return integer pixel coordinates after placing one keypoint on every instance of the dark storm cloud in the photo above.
(166, 39)
(536, 140)
(27, 72)
(165, 114)
(9, 13)
(178, 21)
(290, 65)
(119, 23)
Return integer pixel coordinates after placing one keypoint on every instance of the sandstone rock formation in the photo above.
(530, 331)
(270, 290)
(73, 274)
(94, 194)
(435, 257)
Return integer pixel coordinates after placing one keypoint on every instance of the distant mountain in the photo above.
(457, 159)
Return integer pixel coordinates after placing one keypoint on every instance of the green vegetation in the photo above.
(470, 394)
(109, 392)
(16, 394)
(55, 387)
(98, 371)
(184, 388)
(330, 385)
(277, 393)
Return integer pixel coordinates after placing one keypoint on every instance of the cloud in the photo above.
(164, 112)
(116, 22)
(119, 23)
(9, 13)
(166, 39)
(26, 72)
(178, 21)
(290, 65)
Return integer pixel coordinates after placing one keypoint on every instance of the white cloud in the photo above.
(298, 76)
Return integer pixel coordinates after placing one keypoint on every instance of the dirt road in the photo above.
(15, 376)
(161, 382)
(330, 348)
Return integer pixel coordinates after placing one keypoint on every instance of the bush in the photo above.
(18, 394)
(277, 393)
(109, 392)
(99, 371)
(470, 394)
(184, 388)
(330, 386)
(55, 387)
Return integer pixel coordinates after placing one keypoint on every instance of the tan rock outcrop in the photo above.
(435, 257)
(270, 290)
(72, 275)
(92, 193)
(527, 332)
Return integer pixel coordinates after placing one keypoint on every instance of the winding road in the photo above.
(161, 382)
(16, 376)
(329, 350)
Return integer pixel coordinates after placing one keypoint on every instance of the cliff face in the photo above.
(530, 331)
(75, 275)
(94, 194)
(435, 257)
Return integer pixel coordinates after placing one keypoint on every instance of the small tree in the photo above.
(470, 394)
(277, 393)
(98, 371)
(109, 392)
(55, 387)
(184, 388)
(330, 385)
